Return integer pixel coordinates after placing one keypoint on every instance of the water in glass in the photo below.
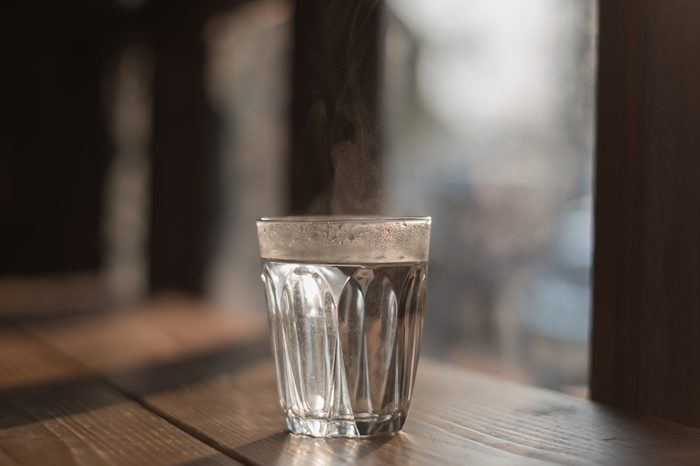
(346, 338)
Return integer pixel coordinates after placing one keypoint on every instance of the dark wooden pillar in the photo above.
(183, 158)
(54, 143)
(334, 164)
(646, 322)
(184, 193)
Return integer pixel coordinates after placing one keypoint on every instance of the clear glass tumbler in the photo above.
(345, 299)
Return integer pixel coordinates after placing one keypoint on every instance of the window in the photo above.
(489, 129)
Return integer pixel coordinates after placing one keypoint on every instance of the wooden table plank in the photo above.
(241, 413)
(457, 416)
(54, 412)
(165, 330)
(547, 425)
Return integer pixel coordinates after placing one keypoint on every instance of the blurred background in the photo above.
(140, 140)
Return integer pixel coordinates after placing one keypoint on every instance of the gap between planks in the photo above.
(193, 432)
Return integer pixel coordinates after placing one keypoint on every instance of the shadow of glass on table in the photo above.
(276, 449)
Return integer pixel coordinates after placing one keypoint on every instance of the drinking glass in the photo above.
(345, 300)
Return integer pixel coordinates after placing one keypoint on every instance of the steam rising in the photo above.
(342, 119)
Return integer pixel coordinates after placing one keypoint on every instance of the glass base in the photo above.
(359, 426)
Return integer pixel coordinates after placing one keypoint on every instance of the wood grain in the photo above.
(646, 293)
(55, 412)
(167, 329)
(457, 417)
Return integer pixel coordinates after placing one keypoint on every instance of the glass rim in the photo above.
(344, 238)
(343, 219)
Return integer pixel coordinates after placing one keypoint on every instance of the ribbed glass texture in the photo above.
(346, 339)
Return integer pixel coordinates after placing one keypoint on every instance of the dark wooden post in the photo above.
(334, 163)
(54, 143)
(184, 162)
(646, 322)
(183, 158)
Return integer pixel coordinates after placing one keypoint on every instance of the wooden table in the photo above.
(173, 383)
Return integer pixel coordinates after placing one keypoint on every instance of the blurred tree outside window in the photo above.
(489, 129)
